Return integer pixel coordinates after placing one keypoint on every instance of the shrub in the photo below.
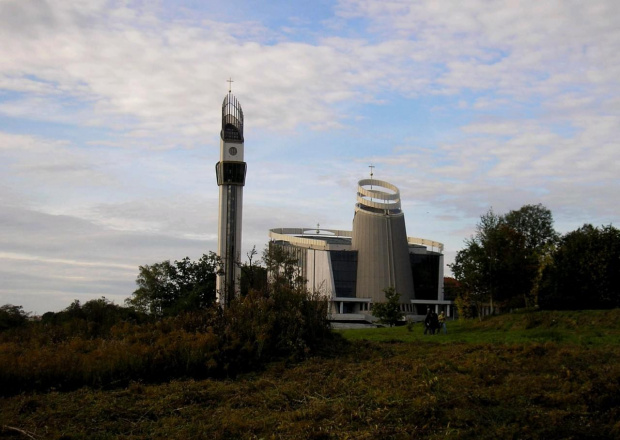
(255, 329)
(388, 312)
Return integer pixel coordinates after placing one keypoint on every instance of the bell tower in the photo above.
(230, 173)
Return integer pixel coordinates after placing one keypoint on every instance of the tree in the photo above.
(253, 276)
(451, 288)
(12, 316)
(500, 263)
(388, 312)
(535, 224)
(512, 267)
(469, 270)
(282, 265)
(166, 289)
(584, 272)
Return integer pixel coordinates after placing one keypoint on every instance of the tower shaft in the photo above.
(380, 238)
(230, 172)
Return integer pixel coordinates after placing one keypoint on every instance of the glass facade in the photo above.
(425, 268)
(344, 268)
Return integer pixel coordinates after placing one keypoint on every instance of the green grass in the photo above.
(594, 328)
(543, 375)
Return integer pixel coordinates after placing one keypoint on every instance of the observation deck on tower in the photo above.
(232, 120)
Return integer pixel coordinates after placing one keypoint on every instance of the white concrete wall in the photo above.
(319, 272)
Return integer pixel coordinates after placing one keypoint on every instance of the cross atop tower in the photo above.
(371, 166)
(229, 81)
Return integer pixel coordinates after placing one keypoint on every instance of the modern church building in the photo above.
(352, 268)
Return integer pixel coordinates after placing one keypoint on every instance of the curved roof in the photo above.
(324, 240)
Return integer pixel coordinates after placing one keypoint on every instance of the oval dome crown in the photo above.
(232, 120)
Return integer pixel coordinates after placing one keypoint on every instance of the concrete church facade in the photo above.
(352, 268)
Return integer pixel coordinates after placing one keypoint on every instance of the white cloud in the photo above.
(109, 118)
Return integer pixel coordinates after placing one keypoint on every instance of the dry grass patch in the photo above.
(428, 388)
(370, 391)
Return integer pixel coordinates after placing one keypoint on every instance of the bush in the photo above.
(279, 323)
(282, 322)
(93, 319)
(388, 312)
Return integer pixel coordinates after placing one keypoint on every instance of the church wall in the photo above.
(319, 272)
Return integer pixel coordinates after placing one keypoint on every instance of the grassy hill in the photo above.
(526, 375)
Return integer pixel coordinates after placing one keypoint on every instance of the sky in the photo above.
(110, 117)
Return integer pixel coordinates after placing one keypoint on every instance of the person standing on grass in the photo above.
(442, 322)
(428, 321)
(434, 323)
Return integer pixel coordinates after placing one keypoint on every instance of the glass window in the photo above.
(344, 267)
(425, 268)
(231, 173)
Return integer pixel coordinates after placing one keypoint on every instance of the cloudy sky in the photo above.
(110, 113)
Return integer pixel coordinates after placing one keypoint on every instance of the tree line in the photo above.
(167, 289)
(518, 260)
(515, 260)
(171, 327)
